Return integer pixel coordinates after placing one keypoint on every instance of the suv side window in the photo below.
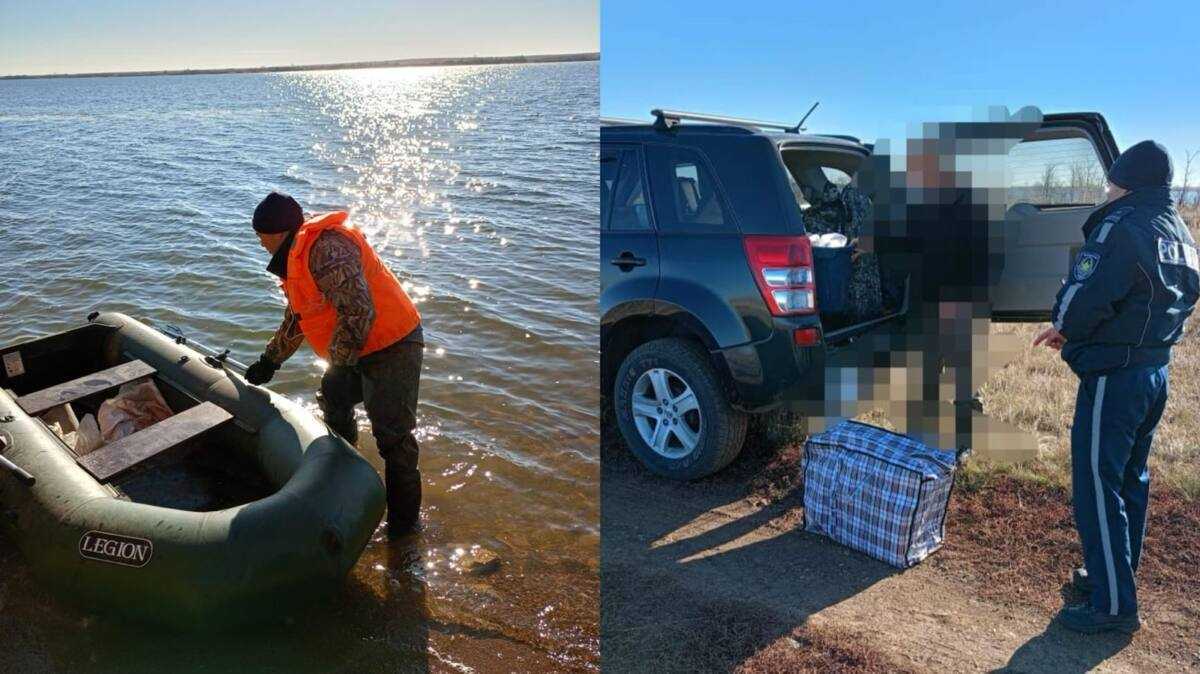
(610, 162)
(1055, 172)
(685, 189)
(630, 210)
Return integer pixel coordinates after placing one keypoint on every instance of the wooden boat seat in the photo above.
(119, 456)
(40, 401)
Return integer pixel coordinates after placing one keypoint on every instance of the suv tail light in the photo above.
(783, 269)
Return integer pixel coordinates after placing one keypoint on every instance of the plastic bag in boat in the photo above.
(81, 435)
(136, 406)
(62, 421)
(87, 438)
(62, 417)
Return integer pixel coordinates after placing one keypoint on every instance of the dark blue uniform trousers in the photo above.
(1115, 417)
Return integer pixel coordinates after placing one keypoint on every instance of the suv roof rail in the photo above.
(842, 136)
(620, 121)
(671, 118)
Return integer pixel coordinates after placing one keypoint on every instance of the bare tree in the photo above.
(1187, 176)
(1049, 182)
(1086, 182)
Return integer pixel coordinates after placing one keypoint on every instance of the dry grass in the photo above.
(811, 650)
(1014, 541)
(1036, 392)
(1018, 539)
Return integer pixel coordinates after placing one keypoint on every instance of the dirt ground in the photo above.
(712, 576)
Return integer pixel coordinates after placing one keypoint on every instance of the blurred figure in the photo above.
(933, 224)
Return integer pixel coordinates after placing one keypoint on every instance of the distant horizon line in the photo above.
(351, 65)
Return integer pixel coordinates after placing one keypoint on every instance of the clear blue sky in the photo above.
(877, 66)
(46, 36)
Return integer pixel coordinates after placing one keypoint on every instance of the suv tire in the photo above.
(715, 430)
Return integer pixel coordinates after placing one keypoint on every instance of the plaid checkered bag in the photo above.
(878, 492)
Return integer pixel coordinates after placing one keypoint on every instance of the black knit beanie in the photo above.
(276, 214)
(1141, 166)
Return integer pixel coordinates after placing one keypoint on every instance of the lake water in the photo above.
(478, 187)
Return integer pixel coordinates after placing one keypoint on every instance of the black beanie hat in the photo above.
(1143, 165)
(276, 214)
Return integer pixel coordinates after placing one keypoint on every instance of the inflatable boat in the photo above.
(236, 506)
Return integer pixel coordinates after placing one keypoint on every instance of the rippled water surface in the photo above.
(477, 185)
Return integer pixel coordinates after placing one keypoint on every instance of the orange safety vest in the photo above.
(395, 315)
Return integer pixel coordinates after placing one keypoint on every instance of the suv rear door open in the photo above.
(1057, 180)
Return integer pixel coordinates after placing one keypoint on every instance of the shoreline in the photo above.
(353, 65)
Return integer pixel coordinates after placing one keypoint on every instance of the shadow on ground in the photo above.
(1044, 653)
(694, 579)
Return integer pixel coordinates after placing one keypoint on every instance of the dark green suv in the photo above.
(708, 293)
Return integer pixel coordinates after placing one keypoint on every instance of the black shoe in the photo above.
(975, 403)
(1087, 620)
(1080, 581)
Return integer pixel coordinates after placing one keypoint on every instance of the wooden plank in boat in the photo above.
(113, 459)
(40, 401)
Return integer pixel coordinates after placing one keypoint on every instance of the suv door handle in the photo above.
(626, 261)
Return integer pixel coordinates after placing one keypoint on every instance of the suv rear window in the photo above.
(1058, 172)
(685, 190)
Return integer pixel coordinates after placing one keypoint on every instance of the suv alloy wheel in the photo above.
(672, 410)
(666, 413)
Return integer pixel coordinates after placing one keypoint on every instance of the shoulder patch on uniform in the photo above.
(1085, 265)
(1118, 214)
(1111, 219)
(1178, 252)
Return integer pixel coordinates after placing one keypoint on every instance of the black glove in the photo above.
(339, 384)
(261, 371)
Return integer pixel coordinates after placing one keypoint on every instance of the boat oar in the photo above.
(17, 471)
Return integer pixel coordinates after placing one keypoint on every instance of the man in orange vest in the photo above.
(355, 315)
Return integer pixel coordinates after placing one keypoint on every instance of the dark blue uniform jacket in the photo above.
(1131, 287)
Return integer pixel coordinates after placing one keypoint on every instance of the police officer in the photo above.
(1130, 289)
